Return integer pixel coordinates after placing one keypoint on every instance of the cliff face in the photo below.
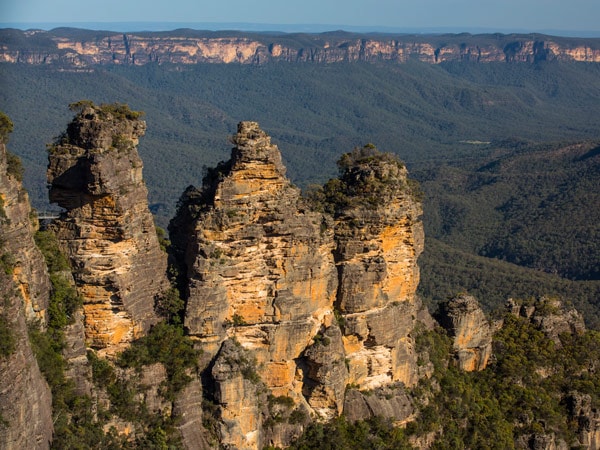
(107, 231)
(25, 402)
(66, 47)
(260, 268)
(265, 273)
(29, 274)
(379, 236)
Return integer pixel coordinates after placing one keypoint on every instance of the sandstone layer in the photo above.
(260, 268)
(25, 399)
(82, 48)
(106, 230)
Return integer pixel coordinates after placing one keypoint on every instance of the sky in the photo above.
(571, 16)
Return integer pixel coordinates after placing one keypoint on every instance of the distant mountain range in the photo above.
(72, 47)
(130, 27)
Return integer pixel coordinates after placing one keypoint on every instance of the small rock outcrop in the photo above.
(391, 402)
(238, 393)
(587, 419)
(25, 400)
(470, 331)
(550, 316)
(107, 231)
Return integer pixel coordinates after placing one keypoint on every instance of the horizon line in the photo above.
(157, 26)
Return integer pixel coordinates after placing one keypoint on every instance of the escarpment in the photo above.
(60, 47)
(25, 401)
(106, 230)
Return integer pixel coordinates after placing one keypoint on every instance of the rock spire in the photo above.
(106, 230)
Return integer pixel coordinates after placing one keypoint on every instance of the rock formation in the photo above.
(305, 308)
(265, 271)
(107, 231)
(29, 272)
(195, 47)
(470, 331)
(587, 419)
(379, 236)
(550, 316)
(25, 401)
(259, 263)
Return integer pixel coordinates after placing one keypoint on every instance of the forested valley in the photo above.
(506, 153)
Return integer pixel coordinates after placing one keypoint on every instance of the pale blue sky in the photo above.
(467, 15)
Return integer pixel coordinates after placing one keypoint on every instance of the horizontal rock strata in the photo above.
(107, 230)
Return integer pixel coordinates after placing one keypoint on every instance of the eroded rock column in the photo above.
(379, 236)
(107, 230)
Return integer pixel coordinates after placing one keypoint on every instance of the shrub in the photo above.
(167, 345)
(6, 127)
(14, 166)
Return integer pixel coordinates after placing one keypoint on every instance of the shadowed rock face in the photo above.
(107, 230)
(25, 401)
(29, 273)
(470, 330)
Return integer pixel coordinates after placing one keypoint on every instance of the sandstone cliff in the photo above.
(25, 399)
(260, 268)
(29, 272)
(264, 273)
(25, 402)
(82, 48)
(107, 231)
(379, 236)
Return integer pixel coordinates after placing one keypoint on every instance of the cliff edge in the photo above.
(25, 399)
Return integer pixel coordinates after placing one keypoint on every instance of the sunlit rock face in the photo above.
(315, 300)
(188, 47)
(379, 236)
(107, 231)
(260, 272)
(259, 263)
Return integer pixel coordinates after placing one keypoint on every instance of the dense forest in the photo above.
(506, 153)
